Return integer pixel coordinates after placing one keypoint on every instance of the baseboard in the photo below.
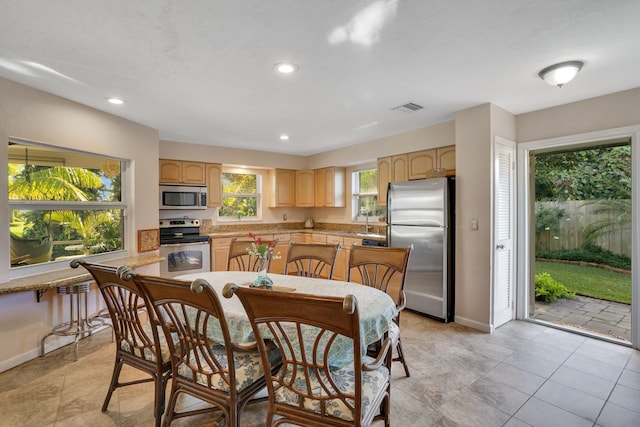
(484, 327)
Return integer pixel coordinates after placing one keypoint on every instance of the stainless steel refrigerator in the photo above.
(420, 213)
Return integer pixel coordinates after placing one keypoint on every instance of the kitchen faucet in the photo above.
(367, 228)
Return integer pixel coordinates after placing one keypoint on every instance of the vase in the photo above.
(263, 278)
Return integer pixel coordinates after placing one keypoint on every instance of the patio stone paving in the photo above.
(601, 317)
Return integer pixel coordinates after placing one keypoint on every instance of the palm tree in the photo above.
(618, 219)
(57, 183)
(51, 183)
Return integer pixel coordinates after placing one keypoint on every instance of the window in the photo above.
(241, 196)
(365, 196)
(63, 204)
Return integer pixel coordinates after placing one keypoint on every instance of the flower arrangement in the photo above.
(262, 248)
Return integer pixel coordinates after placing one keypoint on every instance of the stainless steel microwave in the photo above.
(183, 197)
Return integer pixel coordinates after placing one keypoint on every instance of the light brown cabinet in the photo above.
(390, 169)
(214, 184)
(348, 244)
(446, 157)
(305, 193)
(384, 178)
(416, 165)
(399, 168)
(284, 188)
(181, 172)
(220, 253)
(339, 266)
(421, 163)
(329, 186)
(281, 249)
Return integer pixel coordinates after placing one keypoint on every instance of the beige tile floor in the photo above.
(523, 375)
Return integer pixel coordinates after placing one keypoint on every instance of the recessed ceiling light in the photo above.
(284, 137)
(115, 101)
(285, 67)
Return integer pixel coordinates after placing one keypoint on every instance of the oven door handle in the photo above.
(167, 245)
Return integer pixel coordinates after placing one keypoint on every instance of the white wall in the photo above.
(604, 112)
(30, 114)
(473, 185)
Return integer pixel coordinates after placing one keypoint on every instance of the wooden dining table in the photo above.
(376, 309)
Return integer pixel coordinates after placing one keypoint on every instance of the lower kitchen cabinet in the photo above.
(348, 244)
(220, 253)
(281, 249)
(339, 271)
(341, 268)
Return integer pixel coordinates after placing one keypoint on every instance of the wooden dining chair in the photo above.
(240, 260)
(307, 390)
(311, 259)
(138, 343)
(384, 269)
(224, 374)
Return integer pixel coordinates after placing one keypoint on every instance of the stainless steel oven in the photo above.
(184, 249)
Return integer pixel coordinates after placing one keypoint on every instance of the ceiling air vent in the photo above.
(408, 107)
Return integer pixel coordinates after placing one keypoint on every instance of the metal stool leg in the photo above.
(79, 325)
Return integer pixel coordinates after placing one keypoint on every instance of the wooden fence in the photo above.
(569, 234)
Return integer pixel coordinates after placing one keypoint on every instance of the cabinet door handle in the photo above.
(500, 247)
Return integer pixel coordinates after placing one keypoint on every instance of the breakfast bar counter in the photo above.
(68, 276)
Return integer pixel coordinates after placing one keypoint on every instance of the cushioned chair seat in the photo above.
(248, 365)
(148, 354)
(373, 383)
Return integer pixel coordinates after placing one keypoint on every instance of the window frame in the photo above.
(356, 194)
(46, 205)
(257, 195)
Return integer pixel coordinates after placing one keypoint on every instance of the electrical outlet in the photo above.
(284, 217)
(474, 224)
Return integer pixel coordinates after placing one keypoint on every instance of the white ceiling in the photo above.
(201, 71)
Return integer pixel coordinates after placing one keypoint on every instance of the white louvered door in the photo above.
(504, 227)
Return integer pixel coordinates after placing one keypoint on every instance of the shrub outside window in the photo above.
(63, 204)
(241, 196)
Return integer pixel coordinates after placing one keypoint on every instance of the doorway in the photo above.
(577, 252)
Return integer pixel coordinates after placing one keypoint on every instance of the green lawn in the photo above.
(590, 281)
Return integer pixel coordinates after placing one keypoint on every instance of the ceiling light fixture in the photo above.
(562, 73)
(285, 67)
(115, 101)
(284, 137)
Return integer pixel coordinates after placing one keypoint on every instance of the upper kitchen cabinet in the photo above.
(181, 172)
(214, 184)
(284, 188)
(416, 165)
(384, 178)
(305, 192)
(420, 162)
(329, 187)
(446, 157)
(390, 169)
(399, 168)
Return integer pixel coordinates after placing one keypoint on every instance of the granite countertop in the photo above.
(68, 276)
(353, 234)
